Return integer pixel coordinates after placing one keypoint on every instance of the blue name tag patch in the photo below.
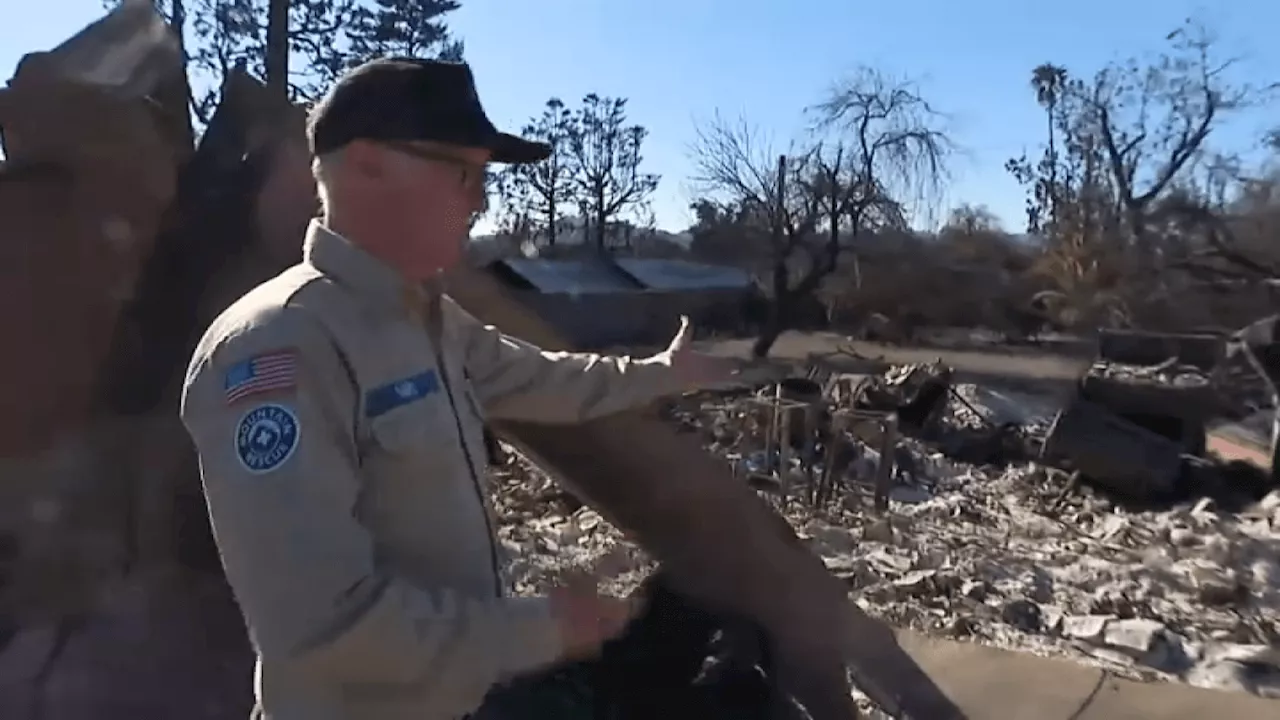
(383, 399)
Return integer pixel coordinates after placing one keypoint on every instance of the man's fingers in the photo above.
(683, 335)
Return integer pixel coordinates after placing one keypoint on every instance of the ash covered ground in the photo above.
(1014, 554)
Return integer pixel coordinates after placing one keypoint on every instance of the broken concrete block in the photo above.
(1085, 627)
(1229, 676)
(916, 582)
(1136, 636)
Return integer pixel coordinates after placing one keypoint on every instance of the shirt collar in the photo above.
(343, 260)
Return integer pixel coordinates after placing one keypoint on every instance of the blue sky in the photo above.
(679, 61)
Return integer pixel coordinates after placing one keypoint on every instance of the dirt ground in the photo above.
(1051, 367)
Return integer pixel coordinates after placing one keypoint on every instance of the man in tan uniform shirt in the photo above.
(337, 411)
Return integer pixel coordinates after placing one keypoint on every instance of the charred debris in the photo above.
(1134, 426)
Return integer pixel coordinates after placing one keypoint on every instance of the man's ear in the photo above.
(366, 160)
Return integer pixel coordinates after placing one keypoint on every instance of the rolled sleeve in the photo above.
(299, 560)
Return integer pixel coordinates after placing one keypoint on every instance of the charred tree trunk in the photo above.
(776, 316)
(775, 323)
(277, 56)
(600, 221)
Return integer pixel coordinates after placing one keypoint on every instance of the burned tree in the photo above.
(876, 149)
(1048, 80)
(300, 46)
(412, 28)
(536, 197)
(1114, 197)
(606, 159)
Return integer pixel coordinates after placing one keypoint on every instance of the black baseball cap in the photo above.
(405, 99)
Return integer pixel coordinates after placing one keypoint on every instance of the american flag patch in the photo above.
(269, 372)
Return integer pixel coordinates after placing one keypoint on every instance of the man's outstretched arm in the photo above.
(516, 380)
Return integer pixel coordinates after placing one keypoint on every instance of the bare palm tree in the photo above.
(1048, 81)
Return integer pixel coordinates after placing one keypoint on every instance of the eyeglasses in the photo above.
(471, 173)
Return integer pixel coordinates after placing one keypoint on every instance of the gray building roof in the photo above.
(598, 303)
(623, 275)
(683, 275)
(571, 276)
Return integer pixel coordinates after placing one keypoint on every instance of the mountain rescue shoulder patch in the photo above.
(266, 437)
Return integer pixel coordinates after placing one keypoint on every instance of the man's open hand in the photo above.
(696, 369)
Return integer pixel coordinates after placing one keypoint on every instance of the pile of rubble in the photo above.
(965, 533)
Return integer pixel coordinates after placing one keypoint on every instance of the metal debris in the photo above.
(1137, 422)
